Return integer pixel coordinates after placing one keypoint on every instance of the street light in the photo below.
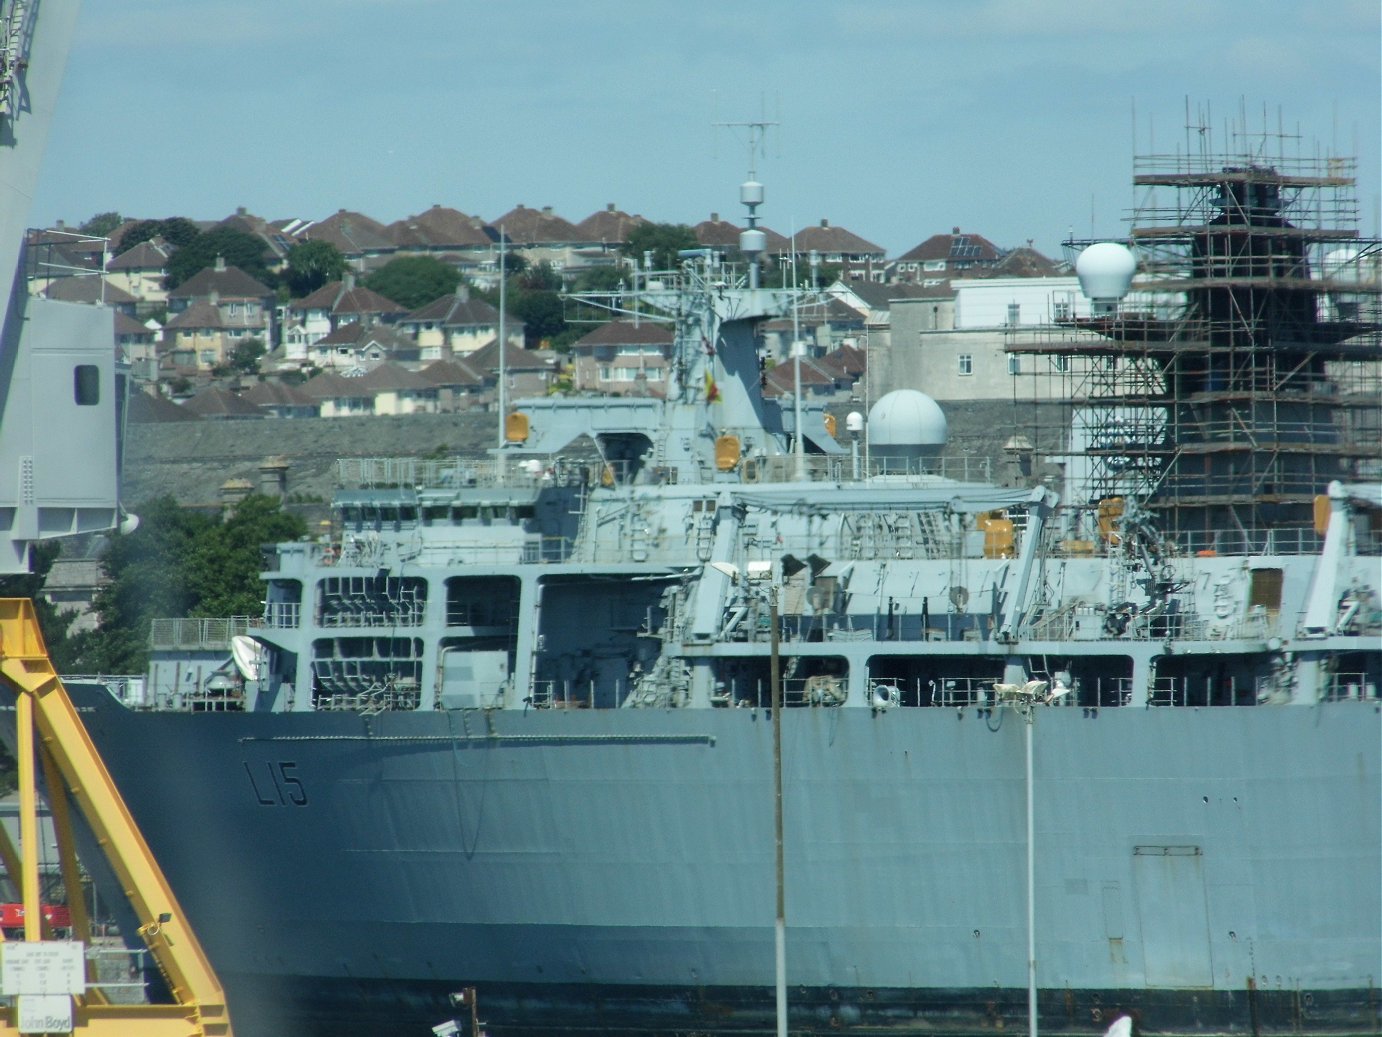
(1023, 698)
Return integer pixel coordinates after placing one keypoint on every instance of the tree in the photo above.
(543, 315)
(176, 230)
(311, 264)
(539, 278)
(414, 281)
(178, 563)
(244, 359)
(663, 240)
(236, 247)
(601, 279)
(100, 225)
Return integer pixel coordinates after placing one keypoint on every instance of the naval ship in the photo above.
(1103, 741)
(510, 725)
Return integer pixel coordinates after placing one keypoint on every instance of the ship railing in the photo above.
(281, 615)
(1344, 687)
(196, 633)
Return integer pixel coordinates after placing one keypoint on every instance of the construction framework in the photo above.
(1243, 373)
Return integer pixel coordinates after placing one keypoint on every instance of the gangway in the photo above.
(74, 770)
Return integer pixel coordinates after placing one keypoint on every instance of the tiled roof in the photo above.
(625, 333)
(781, 379)
(95, 290)
(198, 315)
(609, 225)
(486, 358)
(329, 385)
(716, 233)
(955, 247)
(830, 240)
(345, 301)
(439, 227)
(277, 394)
(126, 326)
(143, 408)
(457, 372)
(351, 232)
(391, 376)
(215, 402)
(524, 226)
(228, 282)
(457, 310)
(147, 255)
(1026, 262)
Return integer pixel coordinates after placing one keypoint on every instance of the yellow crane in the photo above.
(73, 769)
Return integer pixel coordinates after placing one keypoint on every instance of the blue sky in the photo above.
(1016, 119)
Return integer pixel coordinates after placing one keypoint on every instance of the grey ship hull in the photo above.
(1209, 870)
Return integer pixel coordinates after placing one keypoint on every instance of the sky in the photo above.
(895, 119)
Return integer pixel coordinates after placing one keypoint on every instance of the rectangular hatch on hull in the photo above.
(1169, 881)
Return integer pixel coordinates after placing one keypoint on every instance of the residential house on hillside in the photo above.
(540, 235)
(141, 271)
(332, 305)
(822, 325)
(460, 385)
(236, 291)
(338, 396)
(276, 243)
(397, 390)
(623, 357)
(280, 400)
(213, 311)
(136, 344)
(527, 372)
(609, 227)
(216, 403)
(361, 346)
(457, 324)
(837, 372)
(364, 242)
(93, 290)
(946, 255)
(448, 234)
(857, 258)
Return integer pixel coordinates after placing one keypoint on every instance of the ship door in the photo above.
(1174, 914)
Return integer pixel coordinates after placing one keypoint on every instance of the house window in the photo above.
(933, 264)
(605, 374)
(235, 309)
(966, 364)
(1061, 310)
(1014, 364)
(1014, 313)
(1060, 363)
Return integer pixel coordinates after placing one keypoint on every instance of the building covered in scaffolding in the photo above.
(1242, 373)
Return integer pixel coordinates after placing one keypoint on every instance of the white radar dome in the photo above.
(1105, 271)
(905, 426)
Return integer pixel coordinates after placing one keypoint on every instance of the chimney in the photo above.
(825, 224)
(273, 476)
(220, 264)
(240, 210)
(547, 210)
(350, 281)
(609, 207)
(714, 217)
(233, 491)
(955, 230)
(463, 292)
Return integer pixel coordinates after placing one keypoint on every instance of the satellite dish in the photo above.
(249, 656)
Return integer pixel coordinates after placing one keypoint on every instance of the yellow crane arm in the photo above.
(42, 700)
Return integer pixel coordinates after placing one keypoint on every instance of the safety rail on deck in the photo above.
(196, 633)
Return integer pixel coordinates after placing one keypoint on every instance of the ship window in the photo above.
(86, 385)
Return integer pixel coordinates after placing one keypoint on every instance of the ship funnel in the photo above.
(1105, 271)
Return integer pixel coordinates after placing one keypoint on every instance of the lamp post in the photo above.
(1023, 699)
(780, 924)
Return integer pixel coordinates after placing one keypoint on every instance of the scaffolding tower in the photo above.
(1243, 372)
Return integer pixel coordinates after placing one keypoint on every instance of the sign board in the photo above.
(47, 967)
(45, 1013)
